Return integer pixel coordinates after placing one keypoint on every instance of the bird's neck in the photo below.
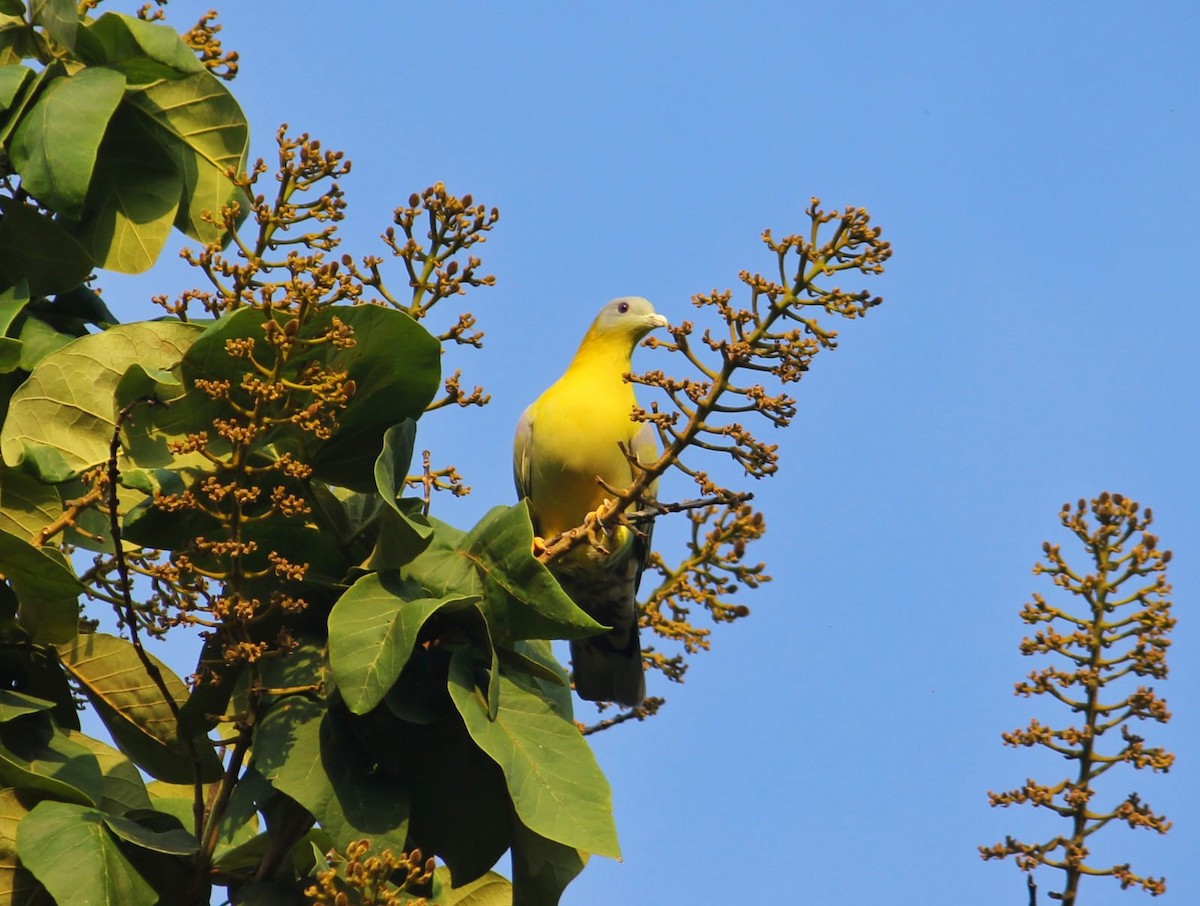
(604, 352)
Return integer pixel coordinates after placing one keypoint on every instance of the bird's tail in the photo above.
(608, 667)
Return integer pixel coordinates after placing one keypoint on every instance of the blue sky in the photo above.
(1033, 166)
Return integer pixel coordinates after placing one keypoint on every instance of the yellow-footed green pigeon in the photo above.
(570, 436)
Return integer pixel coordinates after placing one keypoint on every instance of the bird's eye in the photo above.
(623, 307)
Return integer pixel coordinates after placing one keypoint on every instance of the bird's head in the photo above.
(629, 316)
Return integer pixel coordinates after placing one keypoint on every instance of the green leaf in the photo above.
(54, 148)
(536, 659)
(36, 756)
(143, 51)
(399, 537)
(12, 7)
(556, 786)
(14, 704)
(372, 631)
(461, 811)
(409, 534)
(82, 305)
(308, 753)
(391, 468)
(134, 197)
(35, 248)
(48, 590)
(541, 868)
(17, 42)
(522, 599)
(42, 676)
(133, 709)
(274, 892)
(175, 841)
(480, 658)
(12, 79)
(58, 17)
(62, 418)
(396, 365)
(420, 696)
(12, 302)
(17, 886)
(491, 890)
(26, 505)
(38, 339)
(122, 787)
(441, 567)
(68, 849)
(204, 132)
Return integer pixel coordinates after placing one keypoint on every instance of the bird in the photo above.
(567, 440)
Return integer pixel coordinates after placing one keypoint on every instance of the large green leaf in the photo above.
(372, 631)
(54, 148)
(204, 131)
(308, 753)
(14, 704)
(12, 303)
(58, 17)
(501, 548)
(541, 868)
(522, 600)
(133, 708)
(133, 199)
(43, 676)
(122, 787)
(19, 39)
(12, 79)
(36, 249)
(36, 756)
(411, 532)
(461, 811)
(62, 418)
(556, 786)
(26, 505)
(391, 467)
(143, 51)
(491, 890)
(45, 586)
(17, 886)
(532, 663)
(172, 840)
(38, 339)
(69, 849)
(394, 364)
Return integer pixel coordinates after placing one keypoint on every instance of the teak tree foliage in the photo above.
(370, 677)
(1121, 632)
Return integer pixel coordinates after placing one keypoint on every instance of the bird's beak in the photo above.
(656, 320)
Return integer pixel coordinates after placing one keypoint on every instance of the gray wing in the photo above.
(523, 453)
(645, 448)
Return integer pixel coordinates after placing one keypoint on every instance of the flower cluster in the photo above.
(1120, 634)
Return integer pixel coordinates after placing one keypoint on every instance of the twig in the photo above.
(654, 508)
(649, 707)
(68, 516)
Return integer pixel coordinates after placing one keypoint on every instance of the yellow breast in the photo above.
(578, 425)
